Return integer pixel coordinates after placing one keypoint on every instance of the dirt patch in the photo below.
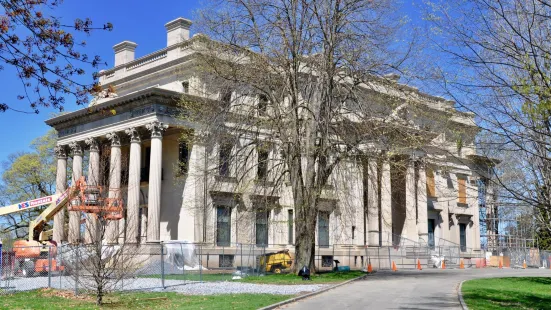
(48, 292)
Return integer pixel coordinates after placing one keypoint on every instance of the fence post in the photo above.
(76, 269)
(60, 263)
(241, 245)
(183, 261)
(389, 258)
(162, 267)
(1, 272)
(50, 267)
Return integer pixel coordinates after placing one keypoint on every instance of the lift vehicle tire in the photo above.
(28, 269)
(276, 269)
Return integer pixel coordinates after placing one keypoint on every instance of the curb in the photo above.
(294, 299)
(460, 296)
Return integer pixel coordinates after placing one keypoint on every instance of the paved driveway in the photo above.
(426, 289)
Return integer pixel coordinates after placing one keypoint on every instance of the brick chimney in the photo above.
(124, 52)
(177, 31)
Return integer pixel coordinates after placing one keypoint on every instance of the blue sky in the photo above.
(139, 21)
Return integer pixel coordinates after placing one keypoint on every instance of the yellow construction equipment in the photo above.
(276, 262)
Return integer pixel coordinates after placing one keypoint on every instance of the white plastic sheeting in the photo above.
(182, 255)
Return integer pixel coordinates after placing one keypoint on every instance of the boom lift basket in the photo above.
(93, 199)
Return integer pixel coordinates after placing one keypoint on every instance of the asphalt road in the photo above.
(426, 289)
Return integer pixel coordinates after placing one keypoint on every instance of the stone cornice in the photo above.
(98, 111)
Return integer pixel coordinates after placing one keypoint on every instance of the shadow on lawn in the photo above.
(525, 293)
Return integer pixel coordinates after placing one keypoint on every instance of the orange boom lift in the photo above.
(32, 254)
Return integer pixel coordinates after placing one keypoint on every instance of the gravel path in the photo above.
(185, 287)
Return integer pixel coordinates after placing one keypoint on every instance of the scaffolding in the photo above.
(506, 228)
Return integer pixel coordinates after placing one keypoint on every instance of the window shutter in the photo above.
(462, 190)
(431, 188)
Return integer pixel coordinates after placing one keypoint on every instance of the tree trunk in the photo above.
(305, 245)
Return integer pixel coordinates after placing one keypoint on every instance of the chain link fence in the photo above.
(173, 263)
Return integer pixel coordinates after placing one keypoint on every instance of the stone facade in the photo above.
(429, 195)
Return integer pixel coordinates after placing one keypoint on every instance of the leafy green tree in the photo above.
(28, 175)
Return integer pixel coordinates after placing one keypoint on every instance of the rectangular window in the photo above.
(262, 227)
(225, 261)
(223, 226)
(323, 229)
(262, 104)
(463, 237)
(327, 261)
(290, 226)
(461, 189)
(224, 160)
(183, 157)
(431, 187)
(353, 230)
(262, 168)
(185, 87)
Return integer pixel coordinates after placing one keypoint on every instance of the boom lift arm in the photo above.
(28, 205)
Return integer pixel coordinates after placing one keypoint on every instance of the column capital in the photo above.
(134, 135)
(156, 128)
(76, 148)
(114, 138)
(61, 151)
(92, 144)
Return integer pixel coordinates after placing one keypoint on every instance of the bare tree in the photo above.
(295, 92)
(501, 62)
(102, 261)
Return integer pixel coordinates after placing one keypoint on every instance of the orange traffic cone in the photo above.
(461, 264)
(419, 265)
(369, 268)
(394, 266)
(443, 264)
(500, 264)
(524, 265)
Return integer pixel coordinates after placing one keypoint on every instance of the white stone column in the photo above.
(60, 186)
(133, 201)
(386, 204)
(410, 227)
(91, 228)
(155, 170)
(74, 216)
(422, 216)
(114, 183)
(373, 204)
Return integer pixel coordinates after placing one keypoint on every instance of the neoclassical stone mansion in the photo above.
(435, 196)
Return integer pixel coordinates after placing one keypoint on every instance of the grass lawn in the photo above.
(512, 293)
(328, 277)
(55, 299)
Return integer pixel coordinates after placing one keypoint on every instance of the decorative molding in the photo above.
(92, 144)
(114, 138)
(148, 109)
(61, 151)
(156, 128)
(134, 135)
(67, 131)
(76, 148)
